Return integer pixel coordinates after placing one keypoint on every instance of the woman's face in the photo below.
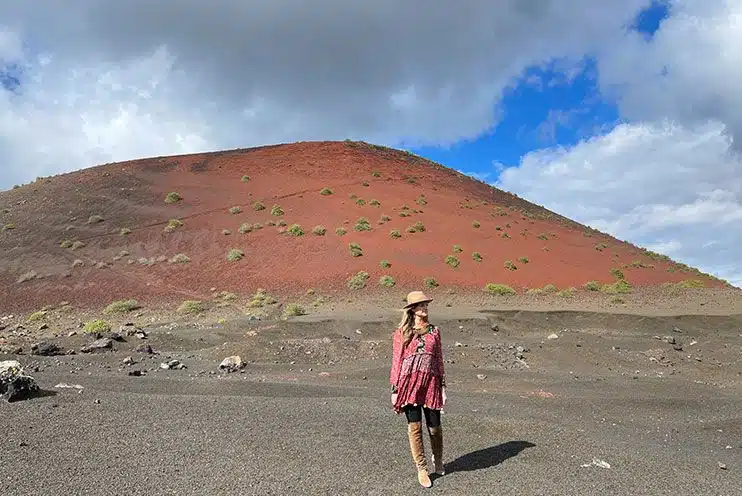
(421, 310)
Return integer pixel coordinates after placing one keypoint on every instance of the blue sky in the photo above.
(543, 109)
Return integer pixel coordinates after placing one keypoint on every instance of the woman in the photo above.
(418, 381)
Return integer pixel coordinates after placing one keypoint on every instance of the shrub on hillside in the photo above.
(387, 281)
(362, 224)
(325, 191)
(319, 230)
(430, 283)
(476, 256)
(499, 289)
(121, 306)
(172, 197)
(293, 310)
(235, 254)
(355, 249)
(295, 230)
(358, 281)
(394, 233)
(340, 231)
(258, 206)
(452, 261)
(277, 211)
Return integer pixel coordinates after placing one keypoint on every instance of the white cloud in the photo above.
(111, 81)
(676, 188)
(672, 178)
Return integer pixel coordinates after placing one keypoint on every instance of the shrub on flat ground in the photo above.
(362, 224)
(191, 307)
(258, 206)
(325, 191)
(387, 281)
(340, 231)
(452, 261)
(592, 286)
(245, 178)
(293, 310)
(97, 325)
(509, 265)
(394, 233)
(385, 264)
(476, 256)
(276, 210)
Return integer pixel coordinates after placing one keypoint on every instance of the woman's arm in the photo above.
(439, 357)
(396, 359)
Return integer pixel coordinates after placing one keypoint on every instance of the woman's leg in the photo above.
(415, 436)
(433, 421)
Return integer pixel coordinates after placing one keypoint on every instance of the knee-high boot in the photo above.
(436, 446)
(415, 435)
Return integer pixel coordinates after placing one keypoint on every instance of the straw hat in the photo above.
(415, 297)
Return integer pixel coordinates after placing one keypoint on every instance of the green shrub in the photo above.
(340, 231)
(190, 307)
(37, 316)
(355, 250)
(293, 310)
(277, 211)
(394, 233)
(96, 325)
(452, 261)
(457, 249)
(358, 281)
(245, 178)
(375, 203)
(475, 224)
(362, 224)
(592, 286)
(245, 228)
(509, 265)
(430, 282)
(173, 197)
(385, 264)
(173, 224)
(476, 256)
(523, 260)
(258, 206)
(235, 210)
(179, 258)
(387, 281)
(499, 289)
(325, 191)
(416, 227)
(319, 230)
(295, 230)
(235, 254)
(622, 286)
(121, 306)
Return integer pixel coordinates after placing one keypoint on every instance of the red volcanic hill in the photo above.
(294, 217)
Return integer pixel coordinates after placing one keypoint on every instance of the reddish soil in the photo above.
(131, 195)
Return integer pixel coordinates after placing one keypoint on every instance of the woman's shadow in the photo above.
(487, 457)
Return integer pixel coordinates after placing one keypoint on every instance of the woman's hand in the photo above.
(394, 398)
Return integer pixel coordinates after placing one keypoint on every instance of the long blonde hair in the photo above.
(406, 325)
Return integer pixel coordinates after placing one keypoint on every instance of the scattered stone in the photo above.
(140, 334)
(136, 373)
(64, 385)
(115, 336)
(553, 336)
(597, 462)
(43, 326)
(722, 466)
(458, 344)
(677, 329)
(495, 328)
(481, 377)
(232, 364)
(172, 364)
(46, 349)
(145, 348)
(98, 344)
(14, 384)
(128, 361)
(669, 339)
(71, 333)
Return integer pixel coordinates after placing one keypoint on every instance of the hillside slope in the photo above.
(101, 234)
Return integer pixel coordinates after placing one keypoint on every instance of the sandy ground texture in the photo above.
(563, 402)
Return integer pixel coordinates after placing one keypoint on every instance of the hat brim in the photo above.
(410, 305)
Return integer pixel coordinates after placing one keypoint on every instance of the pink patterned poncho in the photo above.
(417, 374)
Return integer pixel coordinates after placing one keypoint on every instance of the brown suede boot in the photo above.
(415, 434)
(436, 446)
